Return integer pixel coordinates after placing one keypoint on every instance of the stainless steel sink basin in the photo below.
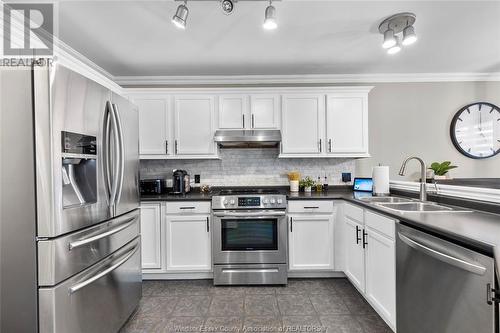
(419, 207)
(385, 199)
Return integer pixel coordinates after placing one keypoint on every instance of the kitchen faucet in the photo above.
(423, 192)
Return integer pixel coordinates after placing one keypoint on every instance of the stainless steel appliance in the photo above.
(249, 242)
(179, 181)
(70, 239)
(265, 138)
(441, 286)
(153, 186)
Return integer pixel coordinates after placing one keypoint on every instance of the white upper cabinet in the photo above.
(194, 125)
(301, 128)
(233, 112)
(347, 123)
(264, 111)
(154, 126)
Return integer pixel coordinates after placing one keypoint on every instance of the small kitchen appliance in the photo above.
(152, 186)
(249, 237)
(179, 181)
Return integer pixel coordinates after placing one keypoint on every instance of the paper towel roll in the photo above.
(380, 175)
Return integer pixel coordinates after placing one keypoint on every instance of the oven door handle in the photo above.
(250, 214)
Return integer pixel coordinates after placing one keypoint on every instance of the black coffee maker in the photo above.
(178, 181)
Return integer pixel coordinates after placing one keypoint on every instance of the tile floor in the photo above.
(304, 305)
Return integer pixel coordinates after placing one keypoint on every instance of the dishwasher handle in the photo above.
(449, 259)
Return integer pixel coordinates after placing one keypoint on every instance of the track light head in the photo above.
(409, 35)
(389, 39)
(395, 48)
(180, 17)
(270, 22)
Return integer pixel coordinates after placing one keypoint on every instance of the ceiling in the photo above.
(136, 38)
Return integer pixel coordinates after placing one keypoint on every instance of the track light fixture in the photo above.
(270, 22)
(227, 6)
(394, 25)
(181, 15)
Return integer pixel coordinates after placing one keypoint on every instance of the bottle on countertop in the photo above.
(319, 186)
(325, 184)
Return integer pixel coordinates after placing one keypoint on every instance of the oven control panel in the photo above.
(248, 201)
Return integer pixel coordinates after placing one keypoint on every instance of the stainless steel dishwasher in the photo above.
(442, 287)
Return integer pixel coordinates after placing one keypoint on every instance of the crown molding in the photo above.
(138, 81)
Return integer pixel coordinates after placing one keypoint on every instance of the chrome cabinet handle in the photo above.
(320, 148)
(73, 289)
(243, 116)
(175, 147)
(357, 235)
(187, 207)
(457, 262)
(208, 224)
(330, 145)
(85, 241)
(291, 224)
(166, 147)
(253, 121)
(311, 207)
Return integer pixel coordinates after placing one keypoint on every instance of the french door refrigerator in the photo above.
(70, 229)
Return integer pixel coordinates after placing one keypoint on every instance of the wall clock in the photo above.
(475, 130)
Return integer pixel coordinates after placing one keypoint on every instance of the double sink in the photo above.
(406, 205)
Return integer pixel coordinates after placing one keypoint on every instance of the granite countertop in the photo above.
(476, 229)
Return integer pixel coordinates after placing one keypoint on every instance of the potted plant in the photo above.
(307, 183)
(441, 169)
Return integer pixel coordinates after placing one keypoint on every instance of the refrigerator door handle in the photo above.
(107, 153)
(73, 289)
(117, 162)
(121, 151)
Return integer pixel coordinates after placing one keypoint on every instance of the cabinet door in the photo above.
(194, 125)
(302, 118)
(188, 243)
(151, 236)
(154, 126)
(355, 254)
(264, 111)
(347, 124)
(381, 274)
(310, 242)
(233, 111)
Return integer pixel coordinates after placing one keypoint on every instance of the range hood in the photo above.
(248, 138)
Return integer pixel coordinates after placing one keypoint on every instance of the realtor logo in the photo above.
(28, 29)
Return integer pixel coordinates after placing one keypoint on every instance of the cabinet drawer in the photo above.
(380, 223)
(188, 207)
(354, 212)
(310, 206)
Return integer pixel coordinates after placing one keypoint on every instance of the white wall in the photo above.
(414, 119)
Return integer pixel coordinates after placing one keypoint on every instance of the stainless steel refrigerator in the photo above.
(70, 224)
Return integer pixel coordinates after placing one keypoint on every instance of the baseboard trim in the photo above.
(210, 275)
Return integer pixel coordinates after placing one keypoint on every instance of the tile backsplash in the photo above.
(250, 167)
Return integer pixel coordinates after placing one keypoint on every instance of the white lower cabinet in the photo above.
(151, 236)
(310, 242)
(371, 259)
(188, 243)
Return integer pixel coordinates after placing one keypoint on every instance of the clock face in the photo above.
(475, 130)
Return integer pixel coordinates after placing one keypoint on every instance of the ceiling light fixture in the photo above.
(270, 22)
(181, 15)
(227, 6)
(394, 25)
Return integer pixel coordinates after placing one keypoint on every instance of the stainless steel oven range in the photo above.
(249, 237)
